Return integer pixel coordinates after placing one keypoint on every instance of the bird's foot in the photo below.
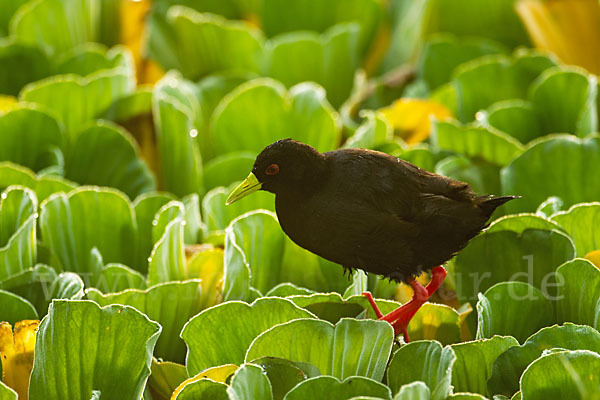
(400, 317)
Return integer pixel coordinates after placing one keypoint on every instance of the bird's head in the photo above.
(284, 166)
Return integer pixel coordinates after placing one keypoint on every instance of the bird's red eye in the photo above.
(272, 169)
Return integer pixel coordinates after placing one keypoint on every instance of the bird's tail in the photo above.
(490, 203)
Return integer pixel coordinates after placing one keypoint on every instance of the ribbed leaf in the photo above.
(539, 172)
(175, 109)
(85, 219)
(564, 375)
(335, 389)
(81, 347)
(531, 256)
(474, 361)
(351, 348)
(30, 137)
(579, 223)
(18, 216)
(259, 112)
(430, 363)
(509, 366)
(243, 322)
(497, 308)
(106, 155)
(578, 297)
(75, 100)
(170, 304)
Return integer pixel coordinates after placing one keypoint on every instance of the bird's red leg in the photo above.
(400, 317)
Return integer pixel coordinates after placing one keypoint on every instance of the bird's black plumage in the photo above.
(369, 210)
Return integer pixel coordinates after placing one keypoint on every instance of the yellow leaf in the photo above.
(594, 257)
(217, 374)
(17, 354)
(207, 263)
(133, 25)
(7, 103)
(570, 29)
(411, 118)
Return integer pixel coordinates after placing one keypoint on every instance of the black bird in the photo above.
(369, 210)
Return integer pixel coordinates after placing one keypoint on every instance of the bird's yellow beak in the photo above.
(250, 185)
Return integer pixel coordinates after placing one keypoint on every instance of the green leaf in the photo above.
(21, 64)
(414, 391)
(244, 323)
(352, 347)
(487, 80)
(329, 306)
(43, 186)
(228, 168)
(474, 360)
(165, 378)
(571, 375)
(372, 133)
(218, 215)
(550, 206)
(497, 308)
(509, 366)
(167, 213)
(470, 396)
(300, 15)
(516, 117)
(117, 277)
(531, 256)
(167, 260)
(493, 146)
(193, 228)
(7, 10)
(67, 285)
(260, 112)
(85, 219)
(565, 101)
(329, 59)
(6, 393)
(198, 44)
(81, 347)
(175, 109)
(493, 20)
(444, 52)
(330, 387)
(579, 222)
(18, 215)
(75, 100)
(106, 155)
(253, 252)
(170, 304)
(520, 222)
(55, 25)
(250, 383)
(429, 362)
(203, 389)
(308, 270)
(578, 298)
(283, 374)
(90, 58)
(30, 136)
(33, 284)
(483, 176)
(146, 207)
(539, 172)
(15, 308)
